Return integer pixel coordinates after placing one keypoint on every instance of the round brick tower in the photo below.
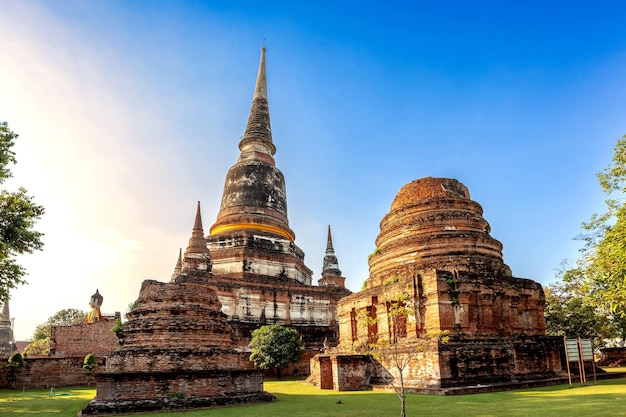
(433, 223)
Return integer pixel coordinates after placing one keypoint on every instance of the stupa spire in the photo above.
(7, 345)
(331, 274)
(255, 198)
(5, 316)
(197, 252)
(331, 264)
(197, 242)
(257, 139)
(179, 265)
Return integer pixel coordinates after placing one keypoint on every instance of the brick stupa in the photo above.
(176, 349)
(472, 322)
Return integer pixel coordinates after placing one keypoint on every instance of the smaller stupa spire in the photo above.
(331, 274)
(197, 252)
(7, 339)
(331, 264)
(179, 265)
(6, 316)
(197, 242)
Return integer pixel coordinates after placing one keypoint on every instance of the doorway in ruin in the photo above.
(326, 373)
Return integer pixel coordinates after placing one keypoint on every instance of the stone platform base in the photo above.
(96, 407)
(123, 393)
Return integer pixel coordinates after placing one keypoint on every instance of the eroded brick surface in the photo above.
(81, 339)
(470, 321)
(177, 351)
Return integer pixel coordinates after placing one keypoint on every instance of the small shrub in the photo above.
(118, 326)
(89, 364)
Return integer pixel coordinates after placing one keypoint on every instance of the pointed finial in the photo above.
(257, 138)
(260, 89)
(197, 225)
(329, 244)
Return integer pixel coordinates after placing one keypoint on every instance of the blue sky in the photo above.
(131, 111)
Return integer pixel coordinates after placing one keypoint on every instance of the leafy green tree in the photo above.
(18, 214)
(570, 312)
(274, 346)
(568, 315)
(38, 347)
(603, 261)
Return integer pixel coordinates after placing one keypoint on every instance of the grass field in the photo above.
(39, 402)
(294, 399)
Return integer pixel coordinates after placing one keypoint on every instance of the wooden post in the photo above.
(569, 372)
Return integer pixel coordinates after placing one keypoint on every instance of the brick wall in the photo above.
(81, 339)
(49, 372)
(468, 361)
(615, 356)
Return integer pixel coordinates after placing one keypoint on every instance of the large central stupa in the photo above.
(250, 255)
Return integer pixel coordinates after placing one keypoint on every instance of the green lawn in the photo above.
(294, 399)
(40, 402)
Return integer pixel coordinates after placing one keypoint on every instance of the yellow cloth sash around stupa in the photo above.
(263, 227)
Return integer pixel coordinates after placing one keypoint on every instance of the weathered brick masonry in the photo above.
(176, 352)
(472, 321)
(50, 372)
(68, 347)
(192, 334)
(81, 339)
(250, 257)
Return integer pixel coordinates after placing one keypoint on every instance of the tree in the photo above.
(15, 365)
(18, 214)
(603, 260)
(38, 347)
(570, 313)
(391, 350)
(274, 346)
